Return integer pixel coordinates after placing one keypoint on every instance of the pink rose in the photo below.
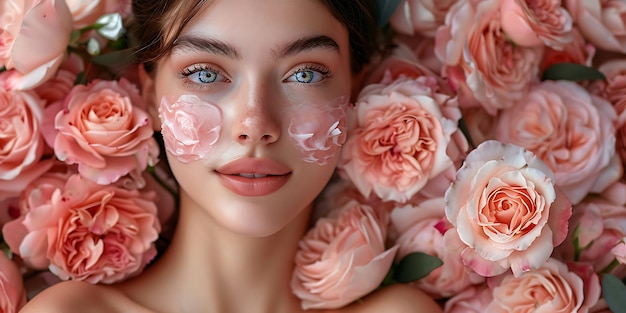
(537, 23)
(58, 86)
(190, 126)
(602, 22)
(577, 51)
(473, 299)
(481, 63)
(12, 293)
(24, 24)
(104, 129)
(420, 16)
(597, 225)
(506, 210)
(403, 134)
(342, 258)
(422, 49)
(22, 146)
(86, 12)
(100, 234)
(421, 228)
(551, 288)
(571, 131)
(480, 124)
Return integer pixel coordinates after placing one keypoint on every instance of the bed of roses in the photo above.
(484, 163)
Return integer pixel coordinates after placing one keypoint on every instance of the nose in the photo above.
(255, 122)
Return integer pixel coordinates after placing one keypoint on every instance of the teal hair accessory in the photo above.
(385, 10)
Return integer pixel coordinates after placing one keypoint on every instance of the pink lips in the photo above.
(254, 177)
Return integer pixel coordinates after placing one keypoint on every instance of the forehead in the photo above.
(266, 23)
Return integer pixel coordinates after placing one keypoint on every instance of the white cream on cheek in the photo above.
(318, 130)
(190, 127)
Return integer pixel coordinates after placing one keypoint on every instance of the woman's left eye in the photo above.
(308, 76)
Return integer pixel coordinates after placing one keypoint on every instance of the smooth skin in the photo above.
(234, 253)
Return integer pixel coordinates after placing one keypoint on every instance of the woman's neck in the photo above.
(211, 269)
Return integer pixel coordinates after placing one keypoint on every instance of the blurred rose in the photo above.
(420, 16)
(342, 258)
(58, 86)
(602, 22)
(480, 61)
(104, 129)
(403, 134)
(12, 293)
(86, 12)
(24, 24)
(600, 307)
(597, 225)
(22, 146)
(422, 49)
(420, 229)
(473, 299)
(537, 23)
(100, 234)
(480, 124)
(506, 210)
(577, 51)
(551, 288)
(571, 131)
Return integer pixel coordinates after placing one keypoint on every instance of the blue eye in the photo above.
(309, 75)
(201, 74)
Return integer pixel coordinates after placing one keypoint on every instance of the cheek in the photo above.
(190, 127)
(317, 130)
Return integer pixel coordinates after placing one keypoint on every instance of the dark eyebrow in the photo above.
(307, 43)
(212, 45)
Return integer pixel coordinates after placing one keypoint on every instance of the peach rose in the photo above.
(551, 288)
(571, 131)
(22, 146)
(24, 24)
(403, 134)
(99, 234)
(104, 129)
(422, 49)
(597, 225)
(420, 228)
(58, 86)
(537, 23)
(480, 124)
(342, 258)
(420, 16)
(602, 22)
(481, 63)
(12, 293)
(38, 193)
(506, 209)
(473, 299)
(577, 51)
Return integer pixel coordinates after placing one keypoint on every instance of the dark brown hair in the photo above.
(159, 22)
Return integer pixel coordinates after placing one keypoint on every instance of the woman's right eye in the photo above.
(202, 74)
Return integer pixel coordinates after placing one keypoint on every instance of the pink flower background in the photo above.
(462, 146)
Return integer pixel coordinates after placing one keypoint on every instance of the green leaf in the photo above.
(385, 10)
(614, 292)
(416, 266)
(572, 72)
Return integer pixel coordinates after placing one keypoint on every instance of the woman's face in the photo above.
(253, 100)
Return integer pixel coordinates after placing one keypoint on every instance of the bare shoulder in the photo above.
(81, 297)
(398, 298)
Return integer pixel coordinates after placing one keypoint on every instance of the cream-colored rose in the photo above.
(506, 210)
(537, 23)
(22, 50)
(12, 293)
(481, 63)
(104, 128)
(420, 16)
(551, 288)
(403, 134)
(571, 130)
(342, 258)
(421, 228)
(86, 12)
(602, 22)
(22, 145)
